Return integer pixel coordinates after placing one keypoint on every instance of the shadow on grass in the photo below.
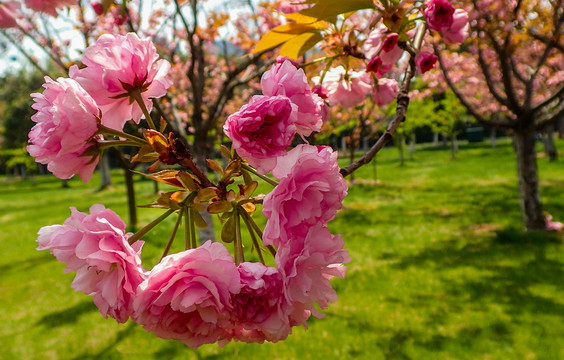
(67, 316)
(26, 264)
(109, 352)
(504, 270)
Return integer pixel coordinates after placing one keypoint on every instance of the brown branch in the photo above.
(558, 94)
(401, 108)
(31, 60)
(550, 115)
(487, 75)
(481, 119)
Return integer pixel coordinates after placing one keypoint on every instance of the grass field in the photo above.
(440, 270)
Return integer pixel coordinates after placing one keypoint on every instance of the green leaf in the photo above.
(228, 231)
(226, 152)
(215, 166)
(199, 220)
(329, 9)
(297, 46)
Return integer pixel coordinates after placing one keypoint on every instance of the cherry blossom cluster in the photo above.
(382, 50)
(200, 295)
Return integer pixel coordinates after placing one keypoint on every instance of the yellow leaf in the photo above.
(300, 44)
(329, 9)
(281, 34)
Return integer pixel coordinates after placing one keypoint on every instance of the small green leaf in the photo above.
(199, 220)
(228, 231)
(226, 152)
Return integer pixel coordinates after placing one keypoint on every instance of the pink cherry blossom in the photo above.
(376, 66)
(439, 14)
(262, 130)
(384, 44)
(386, 91)
(95, 246)
(260, 311)
(310, 191)
(307, 265)
(9, 12)
(553, 225)
(116, 67)
(425, 61)
(458, 31)
(284, 78)
(346, 89)
(66, 122)
(49, 6)
(187, 296)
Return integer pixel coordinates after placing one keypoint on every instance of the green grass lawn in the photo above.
(440, 270)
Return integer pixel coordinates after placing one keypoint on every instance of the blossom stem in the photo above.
(252, 233)
(113, 143)
(187, 232)
(265, 178)
(240, 257)
(173, 234)
(109, 131)
(258, 231)
(193, 229)
(136, 94)
(149, 226)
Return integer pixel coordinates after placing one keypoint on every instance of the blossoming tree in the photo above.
(206, 294)
(509, 76)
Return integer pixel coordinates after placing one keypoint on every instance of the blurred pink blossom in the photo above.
(425, 61)
(386, 91)
(9, 13)
(49, 6)
(458, 31)
(346, 89)
(439, 14)
(66, 122)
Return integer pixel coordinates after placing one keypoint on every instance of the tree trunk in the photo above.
(548, 142)
(531, 207)
(412, 141)
(453, 147)
(351, 157)
(200, 155)
(130, 198)
(400, 143)
(493, 142)
(104, 168)
(435, 138)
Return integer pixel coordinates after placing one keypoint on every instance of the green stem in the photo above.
(240, 257)
(187, 232)
(136, 94)
(193, 230)
(259, 232)
(253, 237)
(149, 226)
(109, 131)
(113, 143)
(265, 178)
(173, 234)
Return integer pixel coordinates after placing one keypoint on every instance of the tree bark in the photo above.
(548, 141)
(200, 156)
(400, 143)
(104, 168)
(412, 142)
(531, 207)
(493, 141)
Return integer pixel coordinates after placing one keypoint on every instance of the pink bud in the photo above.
(390, 42)
(425, 61)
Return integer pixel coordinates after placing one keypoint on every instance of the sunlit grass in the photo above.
(441, 270)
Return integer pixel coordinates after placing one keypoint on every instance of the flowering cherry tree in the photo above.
(509, 76)
(206, 294)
